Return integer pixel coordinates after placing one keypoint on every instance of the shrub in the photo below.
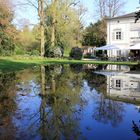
(76, 53)
(54, 52)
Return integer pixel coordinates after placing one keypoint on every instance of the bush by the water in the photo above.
(76, 53)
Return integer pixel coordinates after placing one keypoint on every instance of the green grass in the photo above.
(66, 53)
(8, 66)
(18, 63)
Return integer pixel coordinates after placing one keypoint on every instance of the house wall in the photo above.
(130, 34)
(129, 86)
(88, 49)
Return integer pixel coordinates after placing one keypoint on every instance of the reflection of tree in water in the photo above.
(108, 111)
(28, 81)
(76, 68)
(99, 82)
(7, 105)
(136, 129)
(61, 104)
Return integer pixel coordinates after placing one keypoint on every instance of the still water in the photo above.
(70, 102)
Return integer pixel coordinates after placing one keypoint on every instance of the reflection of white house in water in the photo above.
(123, 68)
(90, 66)
(123, 86)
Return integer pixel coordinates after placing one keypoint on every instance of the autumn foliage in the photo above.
(7, 30)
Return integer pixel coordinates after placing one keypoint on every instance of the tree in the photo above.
(95, 34)
(7, 30)
(63, 24)
(109, 8)
(61, 21)
(137, 16)
(41, 16)
(28, 42)
(39, 5)
(54, 10)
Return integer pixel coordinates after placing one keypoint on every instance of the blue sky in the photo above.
(30, 13)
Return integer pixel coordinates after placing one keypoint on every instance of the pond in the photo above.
(70, 102)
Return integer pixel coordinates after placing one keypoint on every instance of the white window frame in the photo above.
(118, 83)
(118, 35)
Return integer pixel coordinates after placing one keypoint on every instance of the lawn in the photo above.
(18, 63)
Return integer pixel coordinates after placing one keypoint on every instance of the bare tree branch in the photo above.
(32, 4)
(74, 3)
(109, 8)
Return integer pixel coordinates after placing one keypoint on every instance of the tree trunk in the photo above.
(53, 84)
(41, 16)
(53, 33)
(42, 41)
(53, 23)
(43, 80)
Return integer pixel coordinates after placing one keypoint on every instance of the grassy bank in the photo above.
(18, 63)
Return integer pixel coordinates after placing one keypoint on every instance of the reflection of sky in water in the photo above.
(83, 113)
(26, 116)
(98, 130)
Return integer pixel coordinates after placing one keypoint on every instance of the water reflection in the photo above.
(108, 111)
(122, 84)
(136, 129)
(69, 102)
(7, 105)
(61, 103)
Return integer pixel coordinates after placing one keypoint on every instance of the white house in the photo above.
(123, 32)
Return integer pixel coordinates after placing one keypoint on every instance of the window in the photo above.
(118, 35)
(118, 67)
(118, 83)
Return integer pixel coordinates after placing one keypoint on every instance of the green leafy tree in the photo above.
(95, 34)
(63, 25)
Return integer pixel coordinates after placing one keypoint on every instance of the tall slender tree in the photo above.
(41, 16)
(54, 4)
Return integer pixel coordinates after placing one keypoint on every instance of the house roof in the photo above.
(133, 14)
